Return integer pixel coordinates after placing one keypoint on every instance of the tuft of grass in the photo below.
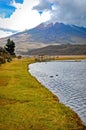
(27, 105)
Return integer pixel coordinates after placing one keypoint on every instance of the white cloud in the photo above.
(4, 33)
(66, 11)
(24, 17)
(71, 12)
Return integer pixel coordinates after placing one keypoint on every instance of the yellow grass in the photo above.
(27, 105)
(71, 57)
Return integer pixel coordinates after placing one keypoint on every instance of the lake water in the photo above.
(67, 80)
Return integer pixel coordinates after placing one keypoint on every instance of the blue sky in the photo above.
(6, 9)
(18, 15)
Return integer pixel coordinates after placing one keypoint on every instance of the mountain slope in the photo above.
(57, 33)
(47, 34)
(59, 50)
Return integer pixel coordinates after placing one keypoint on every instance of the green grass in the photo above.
(27, 105)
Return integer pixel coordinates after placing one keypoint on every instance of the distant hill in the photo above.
(59, 50)
(47, 34)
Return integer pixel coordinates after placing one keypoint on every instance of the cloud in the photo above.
(66, 11)
(6, 9)
(5, 33)
(7, 30)
(43, 5)
(24, 17)
(30, 13)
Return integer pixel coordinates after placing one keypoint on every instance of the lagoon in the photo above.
(67, 80)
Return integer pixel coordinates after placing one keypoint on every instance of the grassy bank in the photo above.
(26, 105)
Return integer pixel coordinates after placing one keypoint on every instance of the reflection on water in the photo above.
(67, 80)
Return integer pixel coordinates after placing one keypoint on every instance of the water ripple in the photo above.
(66, 80)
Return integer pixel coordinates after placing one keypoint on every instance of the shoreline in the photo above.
(42, 58)
(64, 58)
(50, 88)
(31, 105)
(61, 57)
